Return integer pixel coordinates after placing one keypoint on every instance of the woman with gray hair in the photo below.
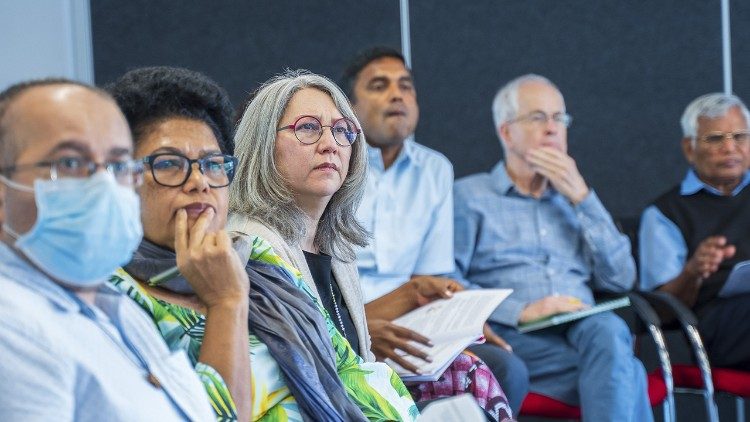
(298, 185)
(300, 177)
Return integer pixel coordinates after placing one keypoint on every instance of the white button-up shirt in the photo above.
(60, 363)
(408, 208)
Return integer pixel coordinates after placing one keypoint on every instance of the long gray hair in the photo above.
(260, 191)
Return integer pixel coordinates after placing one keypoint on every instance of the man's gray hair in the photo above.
(505, 104)
(709, 106)
(259, 190)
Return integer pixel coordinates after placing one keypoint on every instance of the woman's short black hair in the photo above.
(150, 95)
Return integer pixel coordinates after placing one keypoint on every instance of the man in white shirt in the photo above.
(408, 208)
(73, 348)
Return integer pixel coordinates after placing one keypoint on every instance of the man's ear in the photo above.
(688, 149)
(503, 133)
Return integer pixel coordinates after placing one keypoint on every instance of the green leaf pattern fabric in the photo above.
(373, 386)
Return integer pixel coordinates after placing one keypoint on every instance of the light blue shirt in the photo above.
(662, 250)
(408, 208)
(537, 247)
(59, 364)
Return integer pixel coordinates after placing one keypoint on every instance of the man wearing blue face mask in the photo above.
(72, 347)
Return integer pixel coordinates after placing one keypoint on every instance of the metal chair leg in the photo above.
(708, 385)
(739, 407)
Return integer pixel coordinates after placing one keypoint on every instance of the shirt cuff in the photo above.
(591, 208)
(218, 392)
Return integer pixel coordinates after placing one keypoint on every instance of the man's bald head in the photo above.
(9, 145)
(47, 121)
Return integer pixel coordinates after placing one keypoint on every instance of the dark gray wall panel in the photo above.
(239, 43)
(627, 68)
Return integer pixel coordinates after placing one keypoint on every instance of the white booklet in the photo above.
(738, 281)
(451, 325)
(459, 408)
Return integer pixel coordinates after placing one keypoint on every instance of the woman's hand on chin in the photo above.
(209, 263)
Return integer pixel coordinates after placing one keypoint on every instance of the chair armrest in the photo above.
(689, 323)
(650, 319)
(673, 306)
(643, 309)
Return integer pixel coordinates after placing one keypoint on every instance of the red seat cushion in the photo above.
(730, 381)
(538, 405)
(657, 388)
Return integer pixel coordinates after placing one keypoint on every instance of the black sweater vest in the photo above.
(703, 214)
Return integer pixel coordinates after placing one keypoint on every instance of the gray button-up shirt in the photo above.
(537, 247)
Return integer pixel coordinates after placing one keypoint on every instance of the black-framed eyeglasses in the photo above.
(716, 139)
(173, 170)
(309, 130)
(541, 118)
(126, 172)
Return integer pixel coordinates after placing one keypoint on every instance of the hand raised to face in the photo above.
(208, 262)
(561, 171)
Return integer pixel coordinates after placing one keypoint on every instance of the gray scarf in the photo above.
(284, 318)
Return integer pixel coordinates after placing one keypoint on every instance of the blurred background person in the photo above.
(408, 208)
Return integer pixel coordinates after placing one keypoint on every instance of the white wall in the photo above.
(43, 38)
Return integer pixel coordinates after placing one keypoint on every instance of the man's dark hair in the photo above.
(8, 149)
(360, 61)
(151, 95)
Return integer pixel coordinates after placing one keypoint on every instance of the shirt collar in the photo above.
(500, 176)
(375, 157)
(505, 183)
(20, 271)
(692, 184)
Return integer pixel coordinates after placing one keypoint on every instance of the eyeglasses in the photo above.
(541, 118)
(173, 170)
(309, 130)
(126, 172)
(716, 139)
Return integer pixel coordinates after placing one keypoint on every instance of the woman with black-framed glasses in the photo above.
(185, 145)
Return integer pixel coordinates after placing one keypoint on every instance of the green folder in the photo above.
(559, 319)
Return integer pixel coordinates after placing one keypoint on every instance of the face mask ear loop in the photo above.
(12, 233)
(17, 186)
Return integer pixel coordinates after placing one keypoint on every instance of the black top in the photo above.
(322, 274)
(703, 214)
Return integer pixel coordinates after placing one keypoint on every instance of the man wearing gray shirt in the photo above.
(533, 225)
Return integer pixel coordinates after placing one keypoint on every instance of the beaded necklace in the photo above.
(336, 308)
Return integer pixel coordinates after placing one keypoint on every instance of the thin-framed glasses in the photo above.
(126, 172)
(173, 170)
(309, 130)
(716, 139)
(541, 118)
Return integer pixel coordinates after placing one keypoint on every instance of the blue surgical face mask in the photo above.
(84, 230)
